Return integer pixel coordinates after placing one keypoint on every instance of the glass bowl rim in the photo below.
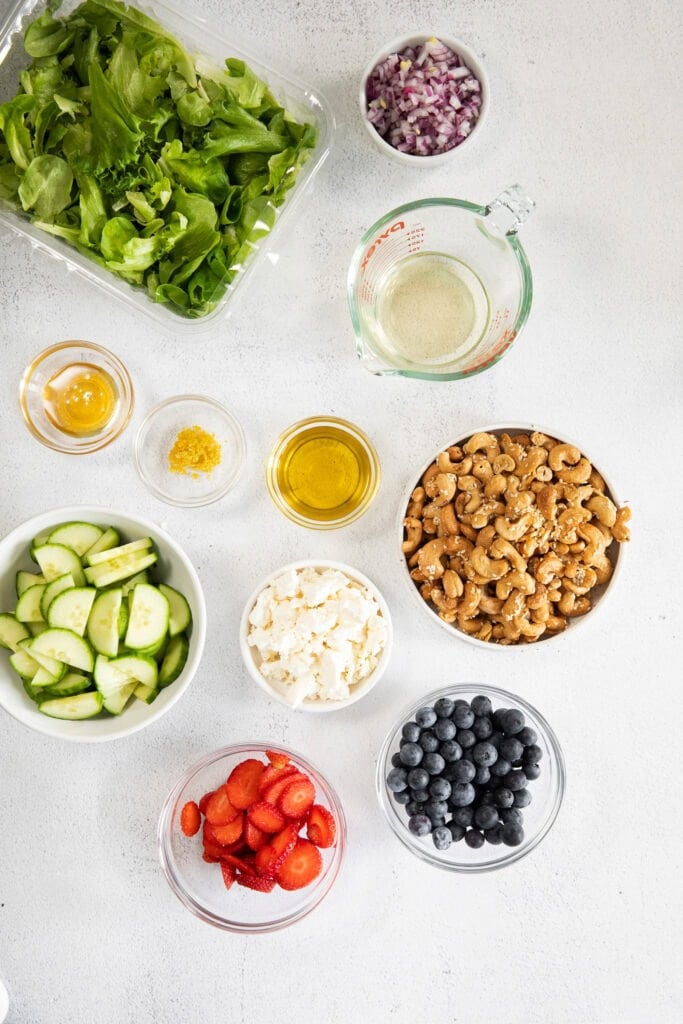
(516, 853)
(290, 432)
(325, 881)
(212, 496)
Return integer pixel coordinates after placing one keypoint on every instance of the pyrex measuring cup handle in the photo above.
(507, 211)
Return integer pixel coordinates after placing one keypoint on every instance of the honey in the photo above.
(80, 399)
(324, 472)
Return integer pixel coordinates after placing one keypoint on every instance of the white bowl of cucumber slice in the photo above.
(102, 623)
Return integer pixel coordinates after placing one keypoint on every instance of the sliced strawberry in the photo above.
(261, 883)
(266, 816)
(254, 836)
(234, 849)
(301, 865)
(243, 781)
(263, 861)
(277, 758)
(228, 874)
(230, 833)
(296, 798)
(219, 808)
(204, 801)
(212, 853)
(272, 774)
(321, 828)
(190, 819)
(281, 844)
(238, 864)
(272, 793)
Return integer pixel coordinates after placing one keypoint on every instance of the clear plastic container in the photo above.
(199, 36)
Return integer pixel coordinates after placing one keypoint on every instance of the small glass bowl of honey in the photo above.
(76, 397)
(323, 473)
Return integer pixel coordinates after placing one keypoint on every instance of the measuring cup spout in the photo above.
(508, 211)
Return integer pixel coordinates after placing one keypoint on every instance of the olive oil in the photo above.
(80, 399)
(324, 472)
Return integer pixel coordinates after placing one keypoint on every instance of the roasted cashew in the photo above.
(429, 558)
(579, 578)
(568, 522)
(542, 440)
(495, 485)
(549, 567)
(502, 548)
(515, 580)
(471, 626)
(430, 473)
(442, 601)
(563, 455)
(566, 603)
(595, 543)
(528, 629)
(469, 602)
(483, 442)
(452, 584)
(469, 483)
(546, 501)
(543, 474)
(413, 528)
(503, 464)
(603, 509)
(603, 569)
(492, 569)
(513, 531)
(620, 530)
(417, 501)
(534, 457)
(597, 482)
(514, 606)
(486, 536)
(444, 465)
(449, 521)
(518, 504)
(486, 511)
(472, 504)
(581, 606)
(441, 488)
(578, 474)
(555, 624)
(468, 531)
(490, 605)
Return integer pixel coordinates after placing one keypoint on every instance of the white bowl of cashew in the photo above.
(511, 559)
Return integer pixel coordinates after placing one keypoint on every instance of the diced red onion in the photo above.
(424, 101)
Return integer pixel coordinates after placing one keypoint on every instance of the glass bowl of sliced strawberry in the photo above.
(251, 838)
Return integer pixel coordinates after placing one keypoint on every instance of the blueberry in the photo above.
(434, 763)
(463, 717)
(420, 796)
(463, 816)
(522, 798)
(487, 798)
(403, 797)
(500, 768)
(396, 760)
(510, 748)
(495, 738)
(457, 831)
(482, 728)
(444, 707)
(532, 771)
(463, 794)
(494, 835)
(484, 753)
(411, 754)
(465, 738)
(411, 731)
(482, 776)
(497, 718)
(512, 722)
(397, 780)
(460, 703)
(418, 778)
(413, 808)
(485, 816)
(504, 797)
(532, 754)
(474, 838)
(445, 729)
(420, 825)
(515, 780)
(429, 742)
(426, 717)
(450, 772)
(440, 788)
(442, 838)
(527, 736)
(462, 771)
(511, 816)
(450, 751)
(513, 834)
(481, 705)
(435, 809)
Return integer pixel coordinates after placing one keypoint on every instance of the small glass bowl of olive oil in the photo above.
(323, 473)
(76, 397)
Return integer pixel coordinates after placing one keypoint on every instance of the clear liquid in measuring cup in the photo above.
(430, 309)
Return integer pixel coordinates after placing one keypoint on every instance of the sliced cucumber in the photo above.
(112, 675)
(66, 646)
(38, 541)
(57, 586)
(28, 605)
(56, 560)
(180, 617)
(120, 569)
(103, 622)
(82, 705)
(80, 537)
(113, 554)
(24, 580)
(54, 666)
(109, 539)
(116, 702)
(70, 684)
(23, 664)
(35, 628)
(174, 660)
(140, 577)
(146, 693)
(43, 678)
(11, 631)
(123, 618)
(71, 608)
(148, 614)
(35, 693)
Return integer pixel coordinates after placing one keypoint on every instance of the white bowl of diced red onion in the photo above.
(423, 97)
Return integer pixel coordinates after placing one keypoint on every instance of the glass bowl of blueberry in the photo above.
(471, 777)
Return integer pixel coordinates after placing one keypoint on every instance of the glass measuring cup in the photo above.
(439, 289)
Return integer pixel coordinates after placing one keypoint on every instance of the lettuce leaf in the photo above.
(161, 167)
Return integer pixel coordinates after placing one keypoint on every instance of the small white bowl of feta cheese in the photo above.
(316, 635)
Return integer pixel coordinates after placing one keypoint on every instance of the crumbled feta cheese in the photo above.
(318, 633)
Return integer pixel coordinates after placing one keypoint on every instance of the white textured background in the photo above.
(585, 929)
